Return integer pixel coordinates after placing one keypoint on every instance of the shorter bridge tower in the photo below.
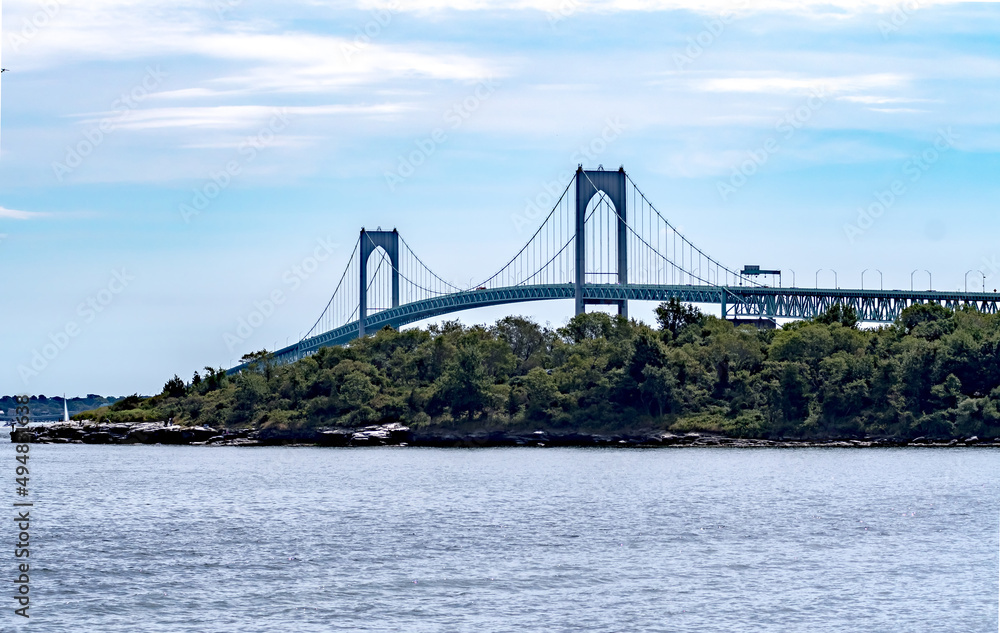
(370, 241)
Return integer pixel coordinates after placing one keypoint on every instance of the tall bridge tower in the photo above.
(610, 184)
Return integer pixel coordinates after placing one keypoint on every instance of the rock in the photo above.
(369, 438)
(275, 437)
(334, 437)
(197, 434)
(381, 435)
(71, 430)
(143, 432)
(398, 433)
(99, 437)
(572, 439)
(241, 441)
(669, 439)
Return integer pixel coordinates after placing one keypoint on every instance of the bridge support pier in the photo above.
(612, 184)
(370, 242)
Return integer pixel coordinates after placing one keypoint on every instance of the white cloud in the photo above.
(13, 214)
(567, 7)
(877, 100)
(274, 60)
(898, 110)
(807, 85)
(238, 116)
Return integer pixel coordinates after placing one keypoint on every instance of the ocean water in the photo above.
(213, 539)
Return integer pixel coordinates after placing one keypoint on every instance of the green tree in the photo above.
(928, 320)
(357, 390)
(174, 388)
(524, 337)
(464, 387)
(839, 313)
(673, 316)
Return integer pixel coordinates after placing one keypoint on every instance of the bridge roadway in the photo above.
(736, 301)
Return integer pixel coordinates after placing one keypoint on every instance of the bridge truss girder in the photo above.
(877, 306)
(737, 301)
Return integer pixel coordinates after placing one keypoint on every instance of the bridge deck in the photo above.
(737, 301)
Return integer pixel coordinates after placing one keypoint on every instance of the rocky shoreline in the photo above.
(399, 435)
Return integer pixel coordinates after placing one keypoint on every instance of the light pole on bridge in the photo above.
(879, 278)
(836, 284)
(930, 281)
(793, 276)
(967, 279)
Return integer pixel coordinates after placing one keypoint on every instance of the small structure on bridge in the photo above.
(753, 270)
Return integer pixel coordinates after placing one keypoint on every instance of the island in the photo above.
(931, 378)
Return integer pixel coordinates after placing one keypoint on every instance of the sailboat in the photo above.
(65, 409)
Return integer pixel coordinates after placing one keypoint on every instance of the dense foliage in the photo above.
(934, 372)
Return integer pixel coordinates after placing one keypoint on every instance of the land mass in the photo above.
(932, 377)
(41, 406)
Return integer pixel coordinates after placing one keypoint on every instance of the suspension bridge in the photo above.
(603, 243)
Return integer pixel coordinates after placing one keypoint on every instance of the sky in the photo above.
(166, 166)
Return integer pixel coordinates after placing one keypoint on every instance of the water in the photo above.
(158, 538)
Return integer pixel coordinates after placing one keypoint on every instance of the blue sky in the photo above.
(758, 128)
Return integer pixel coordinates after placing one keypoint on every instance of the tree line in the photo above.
(934, 372)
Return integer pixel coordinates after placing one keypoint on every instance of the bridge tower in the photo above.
(589, 184)
(371, 240)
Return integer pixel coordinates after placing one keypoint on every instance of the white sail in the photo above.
(65, 409)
